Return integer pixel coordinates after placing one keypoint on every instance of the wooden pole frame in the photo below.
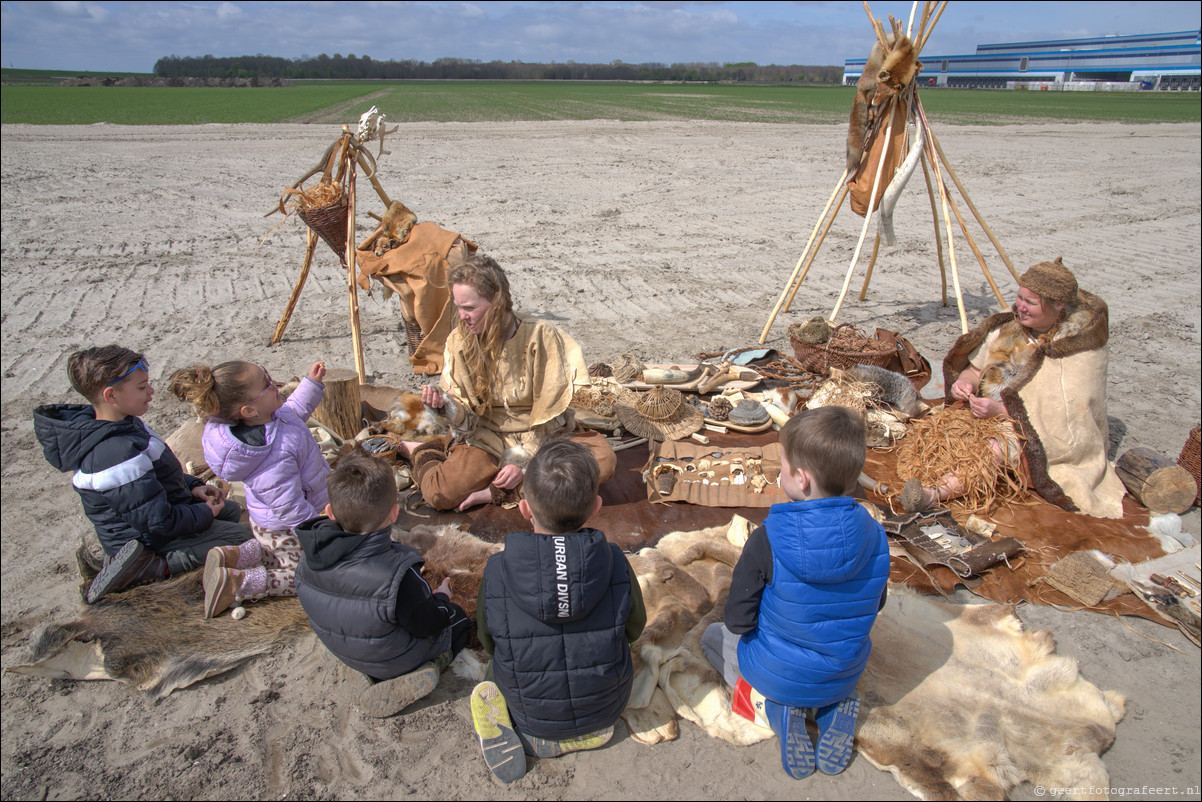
(352, 286)
(296, 291)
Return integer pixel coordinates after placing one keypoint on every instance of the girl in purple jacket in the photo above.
(252, 435)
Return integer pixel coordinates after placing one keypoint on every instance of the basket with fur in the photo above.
(324, 209)
(846, 348)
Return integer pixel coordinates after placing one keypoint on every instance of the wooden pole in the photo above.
(930, 29)
(977, 253)
(871, 262)
(817, 245)
(876, 26)
(296, 291)
(371, 176)
(910, 25)
(872, 198)
(947, 223)
(938, 239)
(797, 269)
(927, 7)
(352, 288)
(980, 220)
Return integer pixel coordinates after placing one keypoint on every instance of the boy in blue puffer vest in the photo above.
(365, 595)
(805, 593)
(558, 610)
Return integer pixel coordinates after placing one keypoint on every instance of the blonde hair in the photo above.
(215, 392)
(482, 352)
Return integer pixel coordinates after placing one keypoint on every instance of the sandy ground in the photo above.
(664, 239)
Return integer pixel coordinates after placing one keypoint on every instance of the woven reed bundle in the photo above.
(841, 390)
(846, 348)
(628, 368)
(953, 441)
(659, 414)
(600, 398)
(1191, 458)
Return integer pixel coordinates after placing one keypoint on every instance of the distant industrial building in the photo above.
(1163, 61)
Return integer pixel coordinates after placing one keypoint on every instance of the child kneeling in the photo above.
(558, 610)
(805, 593)
(365, 596)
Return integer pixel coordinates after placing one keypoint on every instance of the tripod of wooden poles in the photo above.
(934, 164)
(346, 153)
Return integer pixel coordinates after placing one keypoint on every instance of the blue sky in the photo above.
(131, 36)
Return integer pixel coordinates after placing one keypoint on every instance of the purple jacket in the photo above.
(285, 480)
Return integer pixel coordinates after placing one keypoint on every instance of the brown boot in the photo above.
(133, 565)
(221, 588)
(425, 457)
(233, 556)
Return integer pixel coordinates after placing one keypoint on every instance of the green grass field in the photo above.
(469, 101)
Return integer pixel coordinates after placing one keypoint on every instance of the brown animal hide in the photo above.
(157, 639)
(451, 552)
(885, 75)
(958, 702)
(393, 230)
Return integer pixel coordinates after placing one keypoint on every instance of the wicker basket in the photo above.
(820, 359)
(330, 223)
(1191, 457)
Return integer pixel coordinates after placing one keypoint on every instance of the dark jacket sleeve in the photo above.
(752, 573)
(637, 619)
(144, 504)
(482, 624)
(419, 610)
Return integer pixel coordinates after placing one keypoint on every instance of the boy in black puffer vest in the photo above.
(558, 610)
(365, 595)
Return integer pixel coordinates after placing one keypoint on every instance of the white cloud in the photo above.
(227, 12)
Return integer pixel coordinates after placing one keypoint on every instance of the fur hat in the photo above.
(659, 414)
(1051, 280)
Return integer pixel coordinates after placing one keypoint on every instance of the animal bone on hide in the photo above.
(156, 638)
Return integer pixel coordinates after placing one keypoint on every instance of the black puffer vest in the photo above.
(556, 607)
(351, 599)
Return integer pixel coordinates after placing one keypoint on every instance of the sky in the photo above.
(85, 35)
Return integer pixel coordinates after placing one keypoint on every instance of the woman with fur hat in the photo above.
(1043, 364)
(517, 375)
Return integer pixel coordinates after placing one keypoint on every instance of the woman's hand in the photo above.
(985, 407)
(509, 477)
(432, 397)
(962, 390)
(318, 372)
(444, 587)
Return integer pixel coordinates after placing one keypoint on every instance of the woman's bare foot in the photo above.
(475, 499)
(407, 446)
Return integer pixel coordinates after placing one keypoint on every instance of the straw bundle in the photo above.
(954, 441)
(600, 398)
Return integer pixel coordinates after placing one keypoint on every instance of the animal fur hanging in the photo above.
(885, 75)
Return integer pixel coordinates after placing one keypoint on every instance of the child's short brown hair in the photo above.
(830, 444)
(561, 486)
(93, 369)
(362, 491)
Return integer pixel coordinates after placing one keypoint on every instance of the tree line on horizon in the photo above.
(352, 67)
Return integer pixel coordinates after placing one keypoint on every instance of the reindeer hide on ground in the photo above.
(156, 638)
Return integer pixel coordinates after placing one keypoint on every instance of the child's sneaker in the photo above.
(544, 747)
(133, 565)
(836, 734)
(796, 748)
(498, 740)
(387, 697)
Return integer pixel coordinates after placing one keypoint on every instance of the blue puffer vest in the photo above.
(556, 607)
(830, 563)
(351, 602)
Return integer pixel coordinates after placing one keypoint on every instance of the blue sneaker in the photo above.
(836, 734)
(796, 748)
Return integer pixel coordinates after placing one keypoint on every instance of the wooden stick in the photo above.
(876, 26)
(947, 222)
(977, 252)
(352, 287)
(938, 240)
(871, 262)
(638, 441)
(930, 29)
(972, 207)
(926, 15)
(817, 245)
(375, 183)
(910, 26)
(296, 291)
(872, 198)
(797, 269)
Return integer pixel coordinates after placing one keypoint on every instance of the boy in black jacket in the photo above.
(150, 517)
(558, 610)
(365, 595)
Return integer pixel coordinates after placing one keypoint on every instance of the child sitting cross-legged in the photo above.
(805, 593)
(558, 610)
(365, 595)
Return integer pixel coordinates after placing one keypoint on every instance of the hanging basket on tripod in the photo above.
(324, 209)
